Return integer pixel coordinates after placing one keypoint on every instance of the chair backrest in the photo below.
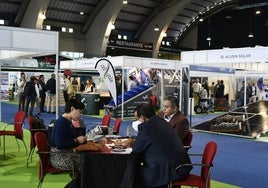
(42, 145)
(117, 125)
(188, 139)
(208, 157)
(18, 124)
(30, 121)
(106, 120)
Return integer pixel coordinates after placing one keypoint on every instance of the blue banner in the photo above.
(212, 69)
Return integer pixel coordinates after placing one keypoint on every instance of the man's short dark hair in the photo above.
(74, 103)
(146, 110)
(173, 100)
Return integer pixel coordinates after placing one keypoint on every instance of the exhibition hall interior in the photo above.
(113, 55)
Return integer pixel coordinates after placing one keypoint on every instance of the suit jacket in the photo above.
(179, 123)
(159, 151)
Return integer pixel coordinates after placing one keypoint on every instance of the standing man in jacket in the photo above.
(21, 96)
(51, 94)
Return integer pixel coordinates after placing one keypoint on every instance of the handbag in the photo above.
(89, 146)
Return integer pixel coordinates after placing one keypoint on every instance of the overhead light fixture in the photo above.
(112, 26)
(257, 12)
(250, 35)
(124, 2)
(208, 38)
(43, 15)
(81, 13)
(156, 28)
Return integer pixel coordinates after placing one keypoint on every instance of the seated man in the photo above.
(158, 150)
(171, 113)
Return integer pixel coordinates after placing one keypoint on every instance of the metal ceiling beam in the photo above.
(21, 12)
(96, 10)
(156, 11)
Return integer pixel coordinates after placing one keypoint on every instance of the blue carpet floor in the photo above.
(239, 161)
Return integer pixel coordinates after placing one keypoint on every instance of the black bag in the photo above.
(38, 123)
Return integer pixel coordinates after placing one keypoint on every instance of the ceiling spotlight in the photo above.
(156, 28)
(201, 19)
(124, 2)
(112, 26)
(43, 15)
(250, 35)
(81, 13)
(208, 39)
(257, 12)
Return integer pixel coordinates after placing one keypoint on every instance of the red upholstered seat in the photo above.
(17, 132)
(44, 166)
(117, 125)
(202, 180)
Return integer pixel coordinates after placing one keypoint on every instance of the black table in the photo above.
(99, 170)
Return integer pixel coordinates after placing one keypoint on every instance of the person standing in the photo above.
(242, 94)
(171, 113)
(158, 149)
(131, 83)
(30, 95)
(212, 89)
(42, 92)
(21, 96)
(197, 86)
(51, 94)
(89, 86)
(254, 92)
(68, 88)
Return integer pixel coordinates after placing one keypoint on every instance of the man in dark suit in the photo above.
(158, 149)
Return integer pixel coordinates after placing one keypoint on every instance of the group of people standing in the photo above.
(34, 92)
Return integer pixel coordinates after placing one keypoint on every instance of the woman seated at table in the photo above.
(64, 138)
(89, 86)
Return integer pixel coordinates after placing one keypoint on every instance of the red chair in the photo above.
(17, 132)
(106, 120)
(202, 180)
(188, 140)
(117, 125)
(32, 142)
(44, 166)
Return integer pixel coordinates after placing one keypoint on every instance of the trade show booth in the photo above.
(156, 77)
(16, 44)
(246, 66)
(222, 65)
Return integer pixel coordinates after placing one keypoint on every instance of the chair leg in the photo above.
(25, 147)
(17, 144)
(4, 145)
(30, 156)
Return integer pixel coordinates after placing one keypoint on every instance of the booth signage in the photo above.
(237, 56)
(106, 70)
(131, 44)
(211, 69)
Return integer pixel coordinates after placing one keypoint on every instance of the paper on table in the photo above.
(122, 151)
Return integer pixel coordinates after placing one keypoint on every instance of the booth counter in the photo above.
(91, 102)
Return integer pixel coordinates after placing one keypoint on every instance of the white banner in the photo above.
(241, 55)
(106, 71)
